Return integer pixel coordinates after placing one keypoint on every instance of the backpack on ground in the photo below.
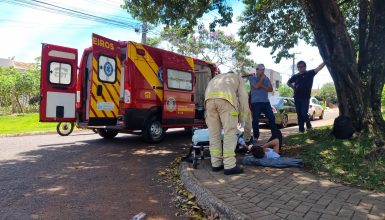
(343, 127)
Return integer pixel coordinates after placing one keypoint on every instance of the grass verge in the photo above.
(342, 161)
(24, 123)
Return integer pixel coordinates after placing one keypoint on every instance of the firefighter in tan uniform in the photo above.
(248, 122)
(226, 104)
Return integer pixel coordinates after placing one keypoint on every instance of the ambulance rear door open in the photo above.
(58, 83)
(105, 82)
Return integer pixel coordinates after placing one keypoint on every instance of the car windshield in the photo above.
(276, 101)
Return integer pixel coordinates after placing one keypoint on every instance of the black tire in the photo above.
(322, 115)
(153, 131)
(284, 121)
(107, 133)
(65, 128)
(95, 130)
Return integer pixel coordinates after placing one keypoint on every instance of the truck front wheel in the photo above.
(107, 133)
(153, 131)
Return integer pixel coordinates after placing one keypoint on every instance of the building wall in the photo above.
(20, 66)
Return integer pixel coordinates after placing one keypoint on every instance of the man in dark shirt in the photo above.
(302, 82)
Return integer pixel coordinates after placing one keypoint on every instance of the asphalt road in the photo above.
(83, 176)
(328, 119)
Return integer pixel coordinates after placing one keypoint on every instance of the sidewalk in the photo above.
(272, 193)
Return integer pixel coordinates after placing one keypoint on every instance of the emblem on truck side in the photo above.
(171, 104)
(108, 69)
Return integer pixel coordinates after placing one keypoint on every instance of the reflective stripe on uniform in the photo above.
(215, 152)
(228, 153)
(243, 114)
(234, 113)
(225, 95)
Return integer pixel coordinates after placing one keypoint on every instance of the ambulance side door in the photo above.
(58, 83)
(178, 84)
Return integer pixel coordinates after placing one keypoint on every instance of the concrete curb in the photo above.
(28, 134)
(205, 197)
(37, 133)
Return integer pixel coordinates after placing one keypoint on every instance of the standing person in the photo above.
(226, 101)
(302, 82)
(260, 86)
(248, 122)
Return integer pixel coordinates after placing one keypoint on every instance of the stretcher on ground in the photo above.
(200, 144)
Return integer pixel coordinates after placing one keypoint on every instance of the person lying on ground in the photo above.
(274, 142)
(265, 151)
(270, 149)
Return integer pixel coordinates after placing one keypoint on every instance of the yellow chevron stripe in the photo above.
(148, 57)
(190, 61)
(114, 89)
(119, 66)
(105, 94)
(92, 101)
(149, 69)
(100, 99)
(119, 76)
(93, 106)
(114, 98)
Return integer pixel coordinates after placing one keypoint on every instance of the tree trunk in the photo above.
(19, 104)
(376, 61)
(338, 53)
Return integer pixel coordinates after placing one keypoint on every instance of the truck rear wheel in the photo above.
(65, 128)
(153, 131)
(107, 133)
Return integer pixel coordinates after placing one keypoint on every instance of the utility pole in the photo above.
(144, 33)
(294, 62)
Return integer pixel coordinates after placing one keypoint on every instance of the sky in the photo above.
(25, 24)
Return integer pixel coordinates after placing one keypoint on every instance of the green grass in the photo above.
(24, 123)
(342, 161)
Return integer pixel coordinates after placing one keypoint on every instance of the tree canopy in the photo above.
(328, 92)
(285, 90)
(16, 86)
(348, 33)
(178, 13)
(218, 47)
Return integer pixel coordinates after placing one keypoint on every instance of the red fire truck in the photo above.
(123, 87)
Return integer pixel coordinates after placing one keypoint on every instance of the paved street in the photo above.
(329, 117)
(83, 176)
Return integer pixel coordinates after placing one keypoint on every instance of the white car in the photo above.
(315, 109)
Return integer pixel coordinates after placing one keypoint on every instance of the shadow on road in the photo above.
(90, 178)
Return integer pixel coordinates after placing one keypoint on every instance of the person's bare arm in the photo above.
(316, 70)
(268, 88)
(274, 144)
(259, 84)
